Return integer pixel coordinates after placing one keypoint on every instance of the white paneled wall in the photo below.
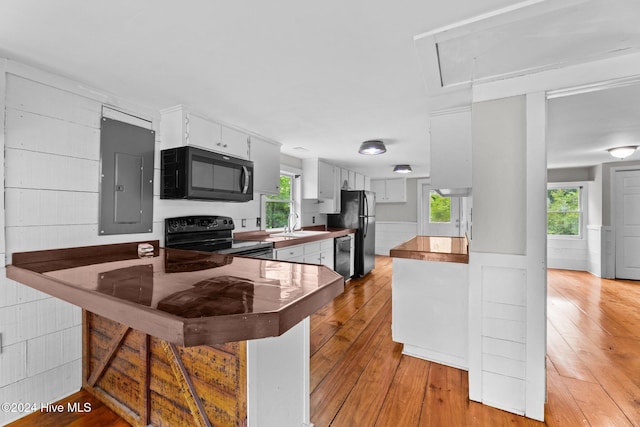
(567, 253)
(392, 233)
(52, 141)
(51, 137)
(503, 338)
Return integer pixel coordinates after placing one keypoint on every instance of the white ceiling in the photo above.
(319, 75)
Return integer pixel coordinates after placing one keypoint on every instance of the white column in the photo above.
(507, 286)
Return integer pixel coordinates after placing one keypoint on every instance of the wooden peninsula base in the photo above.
(148, 381)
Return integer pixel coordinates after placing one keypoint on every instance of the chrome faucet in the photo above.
(289, 228)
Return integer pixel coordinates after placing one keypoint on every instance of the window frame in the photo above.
(294, 202)
(582, 212)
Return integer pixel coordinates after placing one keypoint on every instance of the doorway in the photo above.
(439, 215)
(627, 224)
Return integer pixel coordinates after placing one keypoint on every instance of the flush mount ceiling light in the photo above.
(622, 152)
(402, 168)
(373, 146)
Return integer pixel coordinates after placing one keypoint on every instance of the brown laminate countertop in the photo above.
(281, 242)
(187, 298)
(433, 248)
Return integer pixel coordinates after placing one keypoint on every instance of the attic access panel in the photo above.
(527, 38)
(126, 172)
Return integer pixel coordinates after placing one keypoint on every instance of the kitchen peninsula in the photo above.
(185, 337)
(430, 293)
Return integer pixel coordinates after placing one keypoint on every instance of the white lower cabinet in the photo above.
(318, 252)
(430, 309)
(290, 253)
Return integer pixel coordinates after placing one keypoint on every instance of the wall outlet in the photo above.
(258, 222)
(244, 222)
(313, 220)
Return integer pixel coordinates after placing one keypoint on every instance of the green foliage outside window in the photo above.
(439, 208)
(563, 211)
(279, 206)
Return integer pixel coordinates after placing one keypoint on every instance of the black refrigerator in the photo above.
(358, 211)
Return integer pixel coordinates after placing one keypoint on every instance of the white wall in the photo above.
(393, 233)
(51, 138)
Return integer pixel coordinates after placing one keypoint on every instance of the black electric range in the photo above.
(211, 233)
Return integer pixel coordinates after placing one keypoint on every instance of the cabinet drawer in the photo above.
(290, 252)
(313, 247)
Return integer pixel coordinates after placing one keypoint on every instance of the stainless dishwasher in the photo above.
(342, 256)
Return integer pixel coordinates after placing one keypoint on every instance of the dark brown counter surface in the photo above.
(281, 242)
(184, 297)
(433, 248)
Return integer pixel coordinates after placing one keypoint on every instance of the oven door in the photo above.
(214, 176)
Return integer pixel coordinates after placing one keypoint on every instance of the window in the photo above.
(279, 207)
(439, 208)
(564, 211)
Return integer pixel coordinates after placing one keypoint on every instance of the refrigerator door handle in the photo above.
(366, 204)
(366, 215)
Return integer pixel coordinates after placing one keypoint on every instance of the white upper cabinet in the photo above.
(201, 132)
(352, 180)
(367, 183)
(321, 181)
(392, 190)
(234, 142)
(326, 180)
(451, 150)
(266, 166)
(359, 182)
(179, 126)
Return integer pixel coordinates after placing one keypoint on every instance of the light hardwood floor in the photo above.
(359, 378)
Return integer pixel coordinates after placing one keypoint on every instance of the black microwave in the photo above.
(193, 173)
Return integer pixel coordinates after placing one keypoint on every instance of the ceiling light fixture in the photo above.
(622, 152)
(373, 146)
(402, 168)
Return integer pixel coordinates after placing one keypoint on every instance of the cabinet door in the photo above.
(233, 142)
(378, 186)
(326, 258)
(201, 132)
(359, 181)
(352, 180)
(396, 190)
(451, 150)
(266, 166)
(326, 181)
(367, 183)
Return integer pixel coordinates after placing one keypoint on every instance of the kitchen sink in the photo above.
(298, 233)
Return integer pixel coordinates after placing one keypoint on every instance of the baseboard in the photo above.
(434, 356)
